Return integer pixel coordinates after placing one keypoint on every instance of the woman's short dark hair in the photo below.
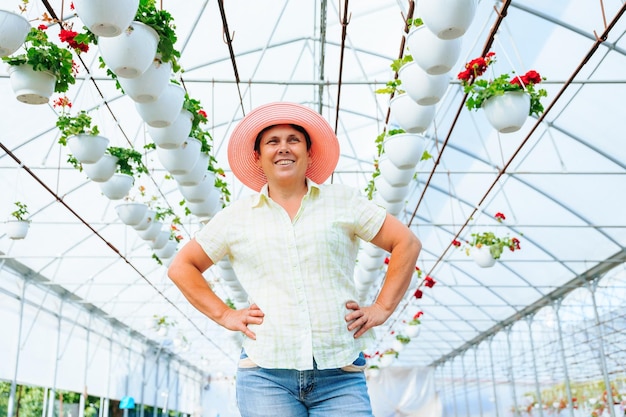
(257, 141)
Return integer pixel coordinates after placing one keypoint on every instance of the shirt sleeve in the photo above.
(369, 217)
(213, 236)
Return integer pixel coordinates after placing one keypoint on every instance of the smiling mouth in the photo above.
(284, 162)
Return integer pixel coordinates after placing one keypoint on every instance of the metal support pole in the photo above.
(155, 409)
(467, 408)
(442, 391)
(478, 388)
(568, 388)
(454, 396)
(510, 372)
(493, 378)
(11, 405)
(529, 321)
(143, 385)
(56, 363)
(593, 286)
(83, 397)
(105, 407)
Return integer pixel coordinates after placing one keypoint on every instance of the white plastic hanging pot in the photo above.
(117, 187)
(507, 113)
(88, 149)
(17, 229)
(179, 161)
(392, 174)
(174, 135)
(30, 86)
(412, 330)
(482, 256)
(106, 18)
(151, 232)
(404, 150)
(147, 219)
(365, 277)
(13, 31)
(208, 207)
(103, 169)
(412, 117)
(200, 192)
(160, 240)
(447, 19)
(131, 213)
(434, 55)
(390, 193)
(197, 172)
(130, 54)
(166, 251)
(163, 111)
(392, 208)
(149, 86)
(424, 88)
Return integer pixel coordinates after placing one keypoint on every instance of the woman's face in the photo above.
(283, 153)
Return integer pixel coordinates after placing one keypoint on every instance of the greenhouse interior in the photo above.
(517, 307)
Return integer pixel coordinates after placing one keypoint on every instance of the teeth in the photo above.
(283, 162)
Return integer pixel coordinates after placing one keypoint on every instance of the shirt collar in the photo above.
(263, 194)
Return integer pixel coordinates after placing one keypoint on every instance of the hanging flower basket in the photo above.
(434, 55)
(30, 86)
(174, 135)
(88, 149)
(179, 161)
(448, 19)
(508, 112)
(163, 111)
(151, 232)
(13, 31)
(197, 172)
(147, 219)
(168, 250)
(131, 213)
(102, 170)
(425, 89)
(390, 193)
(483, 257)
(117, 187)
(404, 150)
(494, 95)
(17, 229)
(393, 175)
(148, 87)
(207, 208)
(200, 192)
(412, 117)
(106, 18)
(160, 240)
(130, 54)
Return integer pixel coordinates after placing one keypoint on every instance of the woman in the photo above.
(293, 247)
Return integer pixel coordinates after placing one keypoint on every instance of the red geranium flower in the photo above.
(418, 315)
(42, 27)
(387, 260)
(429, 282)
(418, 293)
(499, 217)
(456, 243)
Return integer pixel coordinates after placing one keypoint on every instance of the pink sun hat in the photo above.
(324, 144)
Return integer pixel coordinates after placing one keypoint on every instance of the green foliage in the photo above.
(403, 339)
(75, 125)
(496, 244)
(482, 90)
(415, 22)
(44, 55)
(230, 304)
(129, 161)
(380, 140)
(391, 87)
(163, 23)
(20, 212)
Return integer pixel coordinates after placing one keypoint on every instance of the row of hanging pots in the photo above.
(142, 219)
(447, 19)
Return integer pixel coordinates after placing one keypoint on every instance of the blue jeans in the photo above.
(290, 393)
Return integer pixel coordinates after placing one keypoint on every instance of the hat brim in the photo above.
(324, 152)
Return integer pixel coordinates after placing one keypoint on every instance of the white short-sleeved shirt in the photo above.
(299, 273)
